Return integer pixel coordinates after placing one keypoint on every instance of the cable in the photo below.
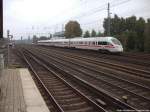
(93, 11)
(101, 9)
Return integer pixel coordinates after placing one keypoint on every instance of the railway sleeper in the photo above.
(75, 106)
(101, 103)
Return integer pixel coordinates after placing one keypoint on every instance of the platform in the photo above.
(19, 92)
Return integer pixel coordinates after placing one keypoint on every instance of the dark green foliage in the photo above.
(131, 23)
(51, 36)
(43, 38)
(123, 37)
(72, 29)
(35, 39)
(93, 33)
(118, 25)
(148, 20)
(131, 41)
(147, 37)
(86, 34)
(99, 34)
(130, 31)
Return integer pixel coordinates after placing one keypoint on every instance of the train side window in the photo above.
(93, 43)
(105, 43)
(100, 43)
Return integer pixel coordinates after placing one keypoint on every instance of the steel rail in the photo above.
(105, 94)
(58, 108)
(89, 100)
(112, 65)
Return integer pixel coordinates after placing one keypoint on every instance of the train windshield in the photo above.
(115, 41)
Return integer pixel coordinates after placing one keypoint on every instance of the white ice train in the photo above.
(107, 44)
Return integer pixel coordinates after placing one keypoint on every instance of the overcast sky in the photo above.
(41, 17)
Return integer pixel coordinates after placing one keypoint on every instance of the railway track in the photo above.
(112, 84)
(112, 102)
(130, 70)
(102, 69)
(64, 97)
(141, 56)
(136, 59)
(132, 90)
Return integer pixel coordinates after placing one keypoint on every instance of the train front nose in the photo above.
(119, 48)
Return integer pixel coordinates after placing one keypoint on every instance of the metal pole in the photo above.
(1, 62)
(8, 48)
(108, 30)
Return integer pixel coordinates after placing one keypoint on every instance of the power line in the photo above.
(113, 5)
(93, 11)
(101, 8)
(84, 24)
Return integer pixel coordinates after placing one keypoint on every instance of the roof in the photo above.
(79, 39)
(91, 39)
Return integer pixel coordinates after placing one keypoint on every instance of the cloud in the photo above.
(21, 15)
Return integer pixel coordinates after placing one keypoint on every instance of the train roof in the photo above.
(79, 39)
(92, 39)
(54, 40)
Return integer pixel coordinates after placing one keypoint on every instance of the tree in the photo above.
(117, 25)
(73, 29)
(131, 23)
(50, 37)
(147, 37)
(105, 26)
(99, 34)
(93, 33)
(128, 30)
(87, 34)
(123, 37)
(148, 20)
(131, 40)
(35, 39)
(43, 38)
(139, 28)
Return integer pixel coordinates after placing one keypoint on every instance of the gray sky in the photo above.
(41, 17)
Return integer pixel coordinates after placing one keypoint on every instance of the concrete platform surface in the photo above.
(19, 92)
